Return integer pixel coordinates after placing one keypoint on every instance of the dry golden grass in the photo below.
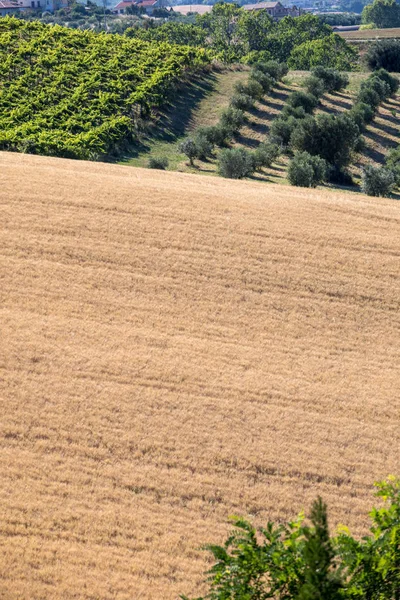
(370, 34)
(175, 349)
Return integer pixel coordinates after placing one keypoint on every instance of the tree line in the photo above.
(233, 34)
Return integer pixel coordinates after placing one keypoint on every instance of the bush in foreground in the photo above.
(376, 181)
(306, 170)
(295, 561)
(235, 163)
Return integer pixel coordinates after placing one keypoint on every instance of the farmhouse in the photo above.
(275, 9)
(8, 7)
(147, 5)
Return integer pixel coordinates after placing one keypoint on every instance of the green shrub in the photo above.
(232, 119)
(221, 134)
(158, 162)
(306, 101)
(282, 129)
(242, 101)
(289, 111)
(393, 163)
(306, 170)
(273, 68)
(378, 85)
(301, 561)
(384, 54)
(314, 86)
(252, 88)
(265, 155)
(360, 144)
(188, 147)
(216, 135)
(341, 81)
(206, 132)
(367, 95)
(376, 181)
(391, 80)
(266, 81)
(333, 80)
(361, 114)
(235, 163)
(332, 137)
(204, 146)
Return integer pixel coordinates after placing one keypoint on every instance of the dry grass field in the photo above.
(370, 34)
(175, 349)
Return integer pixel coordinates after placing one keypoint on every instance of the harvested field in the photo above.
(176, 349)
(370, 34)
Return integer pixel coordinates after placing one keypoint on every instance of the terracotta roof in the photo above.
(123, 4)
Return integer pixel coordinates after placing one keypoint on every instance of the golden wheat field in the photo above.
(175, 350)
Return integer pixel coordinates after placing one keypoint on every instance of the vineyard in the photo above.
(79, 94)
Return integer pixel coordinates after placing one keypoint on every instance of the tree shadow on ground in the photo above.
(171, 121)
(247, 141)
(339, 101)
(279, 94)
(380, 138)
(387, 129)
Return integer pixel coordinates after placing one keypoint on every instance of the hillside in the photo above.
(202, 105)
(80, 94)
(177, 349)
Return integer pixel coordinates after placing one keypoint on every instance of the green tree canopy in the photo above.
(330, 51)
(384, 13)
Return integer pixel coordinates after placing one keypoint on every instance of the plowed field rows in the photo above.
(176, 349)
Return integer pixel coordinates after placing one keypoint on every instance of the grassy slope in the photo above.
(176, 349)
(198, 103)
(198, 109)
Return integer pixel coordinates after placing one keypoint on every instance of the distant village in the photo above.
(276, 9)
